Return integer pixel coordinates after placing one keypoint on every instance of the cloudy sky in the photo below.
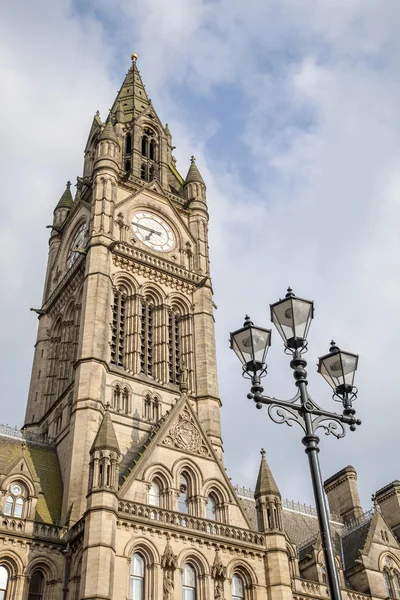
(292, 108)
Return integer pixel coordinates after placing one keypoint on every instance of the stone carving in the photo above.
(184, 434)
(169, 563)
(218, 573)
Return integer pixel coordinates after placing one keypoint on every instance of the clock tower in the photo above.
(127, 315)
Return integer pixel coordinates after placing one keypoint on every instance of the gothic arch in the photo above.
(32, 489)
(44, 564)
(213, 486)
(160, 472)
(388, 555)
(196, 559)
(244, 570)
(80, 220)
(152, 292)
(145, 547)
(12, 562)
(188, 466)
(125, 283)
(179, 302)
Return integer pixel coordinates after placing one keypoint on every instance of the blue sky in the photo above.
(292, 110)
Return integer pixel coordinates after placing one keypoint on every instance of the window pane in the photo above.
(19, 505)
(3, 578)
(211, 508)
(387, 584)
(136, 588)
(154, 494)
(237, 587)
(189, 576)
(137, 565)
(9, 505)
(36, 586)
(396, 584)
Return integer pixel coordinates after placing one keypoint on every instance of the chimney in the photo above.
(342, 493)
(388, 499)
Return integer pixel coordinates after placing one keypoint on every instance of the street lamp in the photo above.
(292, 317)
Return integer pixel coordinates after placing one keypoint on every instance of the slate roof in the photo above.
(265, 482)
(42, 461)
(106, 437)
(66, 200)
(353, 542)
(193, 173)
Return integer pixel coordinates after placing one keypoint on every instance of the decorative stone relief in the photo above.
(218, 573)
(169, 563)
(185, 435)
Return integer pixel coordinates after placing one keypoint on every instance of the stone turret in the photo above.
(268, 499)
(388, 499)
(104, 456)
(63, 207)
(194, 186)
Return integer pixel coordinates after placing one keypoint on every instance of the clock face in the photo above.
(77, 243)
(153, 231)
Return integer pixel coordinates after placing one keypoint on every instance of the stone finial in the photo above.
(169, 560)
(262, 452)
(265, 482)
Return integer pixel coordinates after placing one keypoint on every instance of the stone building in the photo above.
(115, 488)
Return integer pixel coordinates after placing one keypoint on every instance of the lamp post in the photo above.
(292, 317)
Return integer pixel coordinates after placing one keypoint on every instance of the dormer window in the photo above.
(15, 500)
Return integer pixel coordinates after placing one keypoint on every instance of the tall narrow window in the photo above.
(387, 584)
(152, 150)
(211, 508)
(188, 583)
(396, 584)
(183, 498)
(116, 397)
(144, 172)
(3, 582)
(154, 494)
(128, 144)
(145, 146)
(125, 401)
(36, 586)
(174, 347)
(118, 329)
(146, 354)
(137, 578)
(237, 588)
(78, 575)
(324, 575)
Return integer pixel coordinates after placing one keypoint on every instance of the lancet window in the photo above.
(174, 347)
(137, 577)
(4, 576)
(184, 491)
(237, 587)
(120, 399)
(149, 154)
(211, 508)
(36, 586)
(151, 408)
(155, 493)
(118, 328)
(146, 349)
(392, 582)
(188, 583)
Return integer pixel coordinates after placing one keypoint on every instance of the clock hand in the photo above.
(149, 236)
(147, 228)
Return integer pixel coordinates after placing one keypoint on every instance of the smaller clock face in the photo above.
(78, 243)
(153, 231)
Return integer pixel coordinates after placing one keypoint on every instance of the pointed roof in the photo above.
(265, 482)
(66, 200)
(132, 98)
(193, 173)
(108, 133)
(106, 437)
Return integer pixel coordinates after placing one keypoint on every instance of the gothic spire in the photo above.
(66, 200)
(193, 174)
(266, 485)
(106, 437)
(132, 98)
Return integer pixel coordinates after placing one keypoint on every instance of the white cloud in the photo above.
(319, 98)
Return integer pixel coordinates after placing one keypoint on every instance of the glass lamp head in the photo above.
(338, 368)
(292, 317)
(251, 345)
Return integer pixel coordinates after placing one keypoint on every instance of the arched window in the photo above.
(118, 329)
(128, 143)
(237, 588)
(154, 494)
(145, 146)
(78, 574)
(144, 172)
(174, 347)
(183, 498)
(116, 397)
(125, 400)
(211, 508)
(396, 584)
(324, 575)
(388, 587)
(188, 583)
(152, 153)
(146, 342)
(127, 165)
(137, 578)
(14, 504)
(3, 582)
(36, 586)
